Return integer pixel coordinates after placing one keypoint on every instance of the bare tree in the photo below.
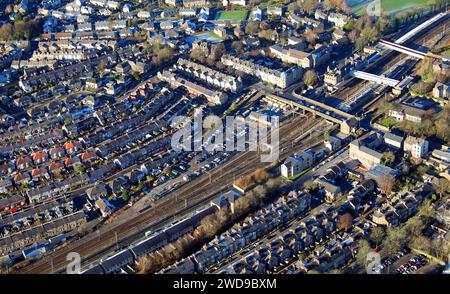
(386, 184)
(345, 221)
(260, 175)
(310, 77)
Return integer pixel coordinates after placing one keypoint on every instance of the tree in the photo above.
(420, 243)
(292, 7)
(310, 186)
(388, 158)
(6, 32)
(311, 36)
(153, 262)
(415, 226)
(405, 169)
(370, 33)
(350, 25)
(243, 182)
(198, 55)
(238, 46)
(422, 169)
(377, 235)
(307, 5)
(334, 272)
(266, 34)
(101, 68)
(425, 70)
(396, 239)
(273, 185)
(165, 54)
(363, 251)
(439, 249)
(422, 87)
(443, 128)
(259, 194)
(354, 35)
(386, 184)
(442, 186)
(260, 175)
(252, 28)
(310, 77)
(216, 53)
(345, 221)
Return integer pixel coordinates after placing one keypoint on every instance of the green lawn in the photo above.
(295, 177)
(232, 15)
(359, 7)
(395, 5)
(388, 122)
(214, 37)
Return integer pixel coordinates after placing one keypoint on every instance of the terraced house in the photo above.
(209, 75)
(278, 77)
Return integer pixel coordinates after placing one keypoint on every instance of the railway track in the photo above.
(391, 58)
(197, 193)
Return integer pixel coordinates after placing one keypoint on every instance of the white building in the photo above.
(299, 162)
(332, 143)
(418, 147)
(338, 19)
(441, 90)
(234, 2)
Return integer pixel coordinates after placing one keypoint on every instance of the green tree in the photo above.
(363, 250)
(442, 186)
(307, 5)
(350, 25)
(6, 32)
(292, 7)
(388, 158)
(252, 28)
(266, 34)
(420, 243)
(377, 235)
(396, 239)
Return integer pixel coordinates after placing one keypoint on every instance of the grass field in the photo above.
(209, 36)
(396, 5)
(388, 122)
(232, 15)
(390, 6)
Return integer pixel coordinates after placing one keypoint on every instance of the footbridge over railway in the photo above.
(382, 80)
(399, 44)
(310, 105)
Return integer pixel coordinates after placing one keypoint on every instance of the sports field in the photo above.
(390, 6)
(397, 5)
(232, 15)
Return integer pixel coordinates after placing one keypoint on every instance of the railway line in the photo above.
(391, 58)
(187, 198)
